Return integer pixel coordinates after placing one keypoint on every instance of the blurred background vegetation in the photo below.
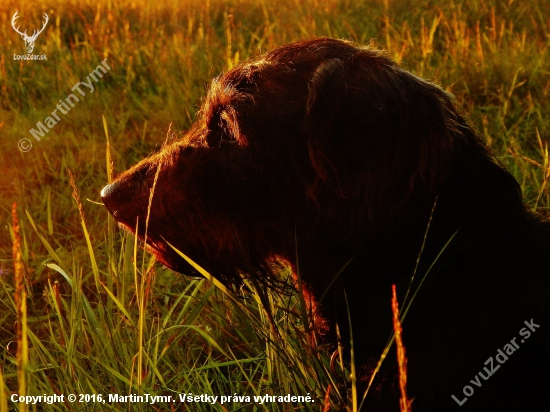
(492, 54)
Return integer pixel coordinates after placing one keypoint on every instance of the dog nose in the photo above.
(110, 196)
(106, 191)
(124, 198)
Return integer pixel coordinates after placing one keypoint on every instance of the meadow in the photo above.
(82, 309)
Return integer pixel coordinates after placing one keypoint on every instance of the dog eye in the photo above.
(226, 129)
(226, 135)
(219, 133)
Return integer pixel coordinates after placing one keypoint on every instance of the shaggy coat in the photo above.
(331, 152)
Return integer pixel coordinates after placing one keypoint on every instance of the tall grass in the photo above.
(103, 317)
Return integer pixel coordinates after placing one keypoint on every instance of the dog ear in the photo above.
(381, 137)
(366, 117)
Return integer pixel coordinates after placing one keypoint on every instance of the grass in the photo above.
(96, 322)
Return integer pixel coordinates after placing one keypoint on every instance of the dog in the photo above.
(361, 175)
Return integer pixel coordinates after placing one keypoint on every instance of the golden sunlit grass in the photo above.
(20, 302)
(404, 402)
(97, 321)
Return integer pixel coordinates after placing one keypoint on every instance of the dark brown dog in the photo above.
(331, 152)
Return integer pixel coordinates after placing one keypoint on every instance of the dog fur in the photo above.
(331, 152)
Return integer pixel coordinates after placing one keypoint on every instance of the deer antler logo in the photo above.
(29, 40)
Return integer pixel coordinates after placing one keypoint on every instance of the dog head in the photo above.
(319, 142)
